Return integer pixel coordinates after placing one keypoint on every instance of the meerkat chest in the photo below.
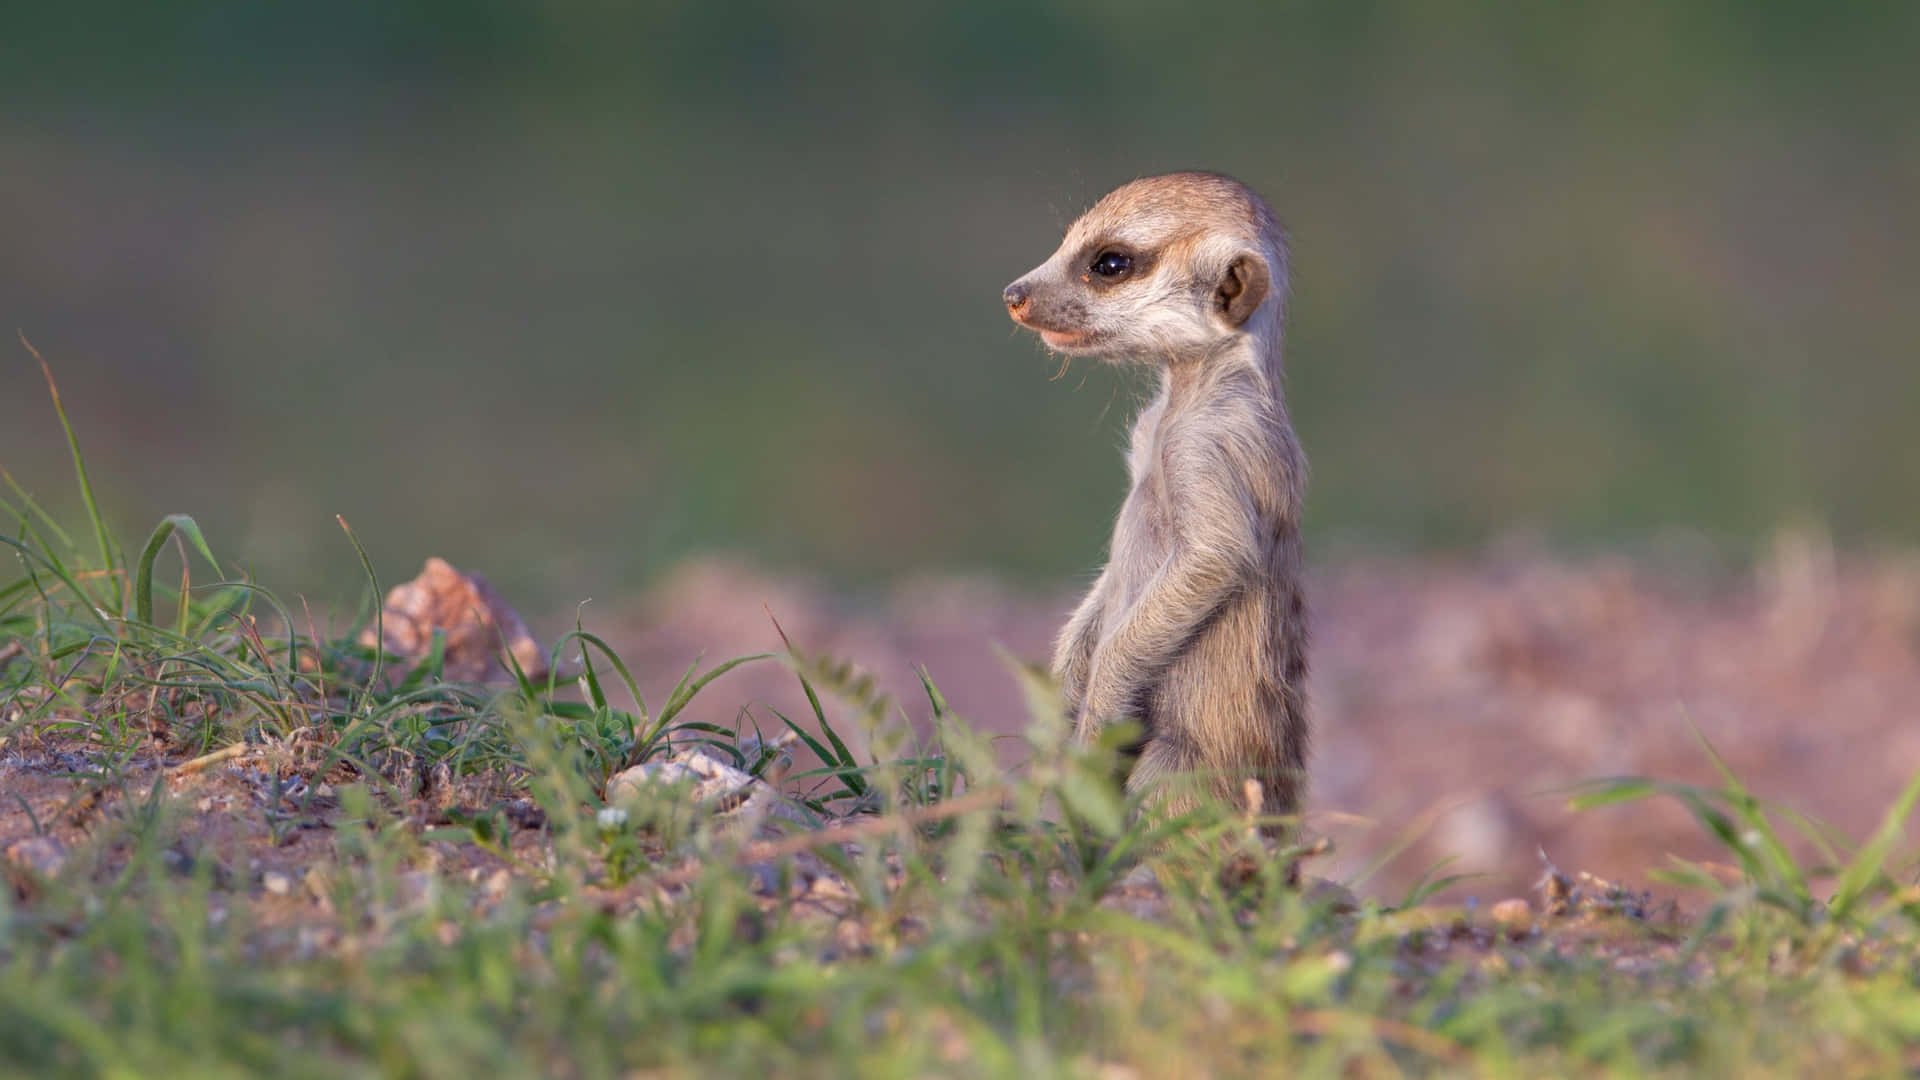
(1143, 530)
(1142, 540)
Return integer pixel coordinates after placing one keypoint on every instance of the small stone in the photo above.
(711, 784)
(766, 879)
(43, 856)
(276, 883)
(828, 887)
(1513, 913)
(1331, 895)
(498, 884)
(475, 621)
(628, 784)
(752, 749)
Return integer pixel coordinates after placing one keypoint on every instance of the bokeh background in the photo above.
(1605, 346)
(566, 291)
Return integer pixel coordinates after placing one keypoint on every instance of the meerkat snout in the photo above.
(1016, 297)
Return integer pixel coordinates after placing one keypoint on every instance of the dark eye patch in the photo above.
(1111, 263)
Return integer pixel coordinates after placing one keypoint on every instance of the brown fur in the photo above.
(1197, 625)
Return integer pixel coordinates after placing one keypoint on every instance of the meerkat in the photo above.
(1196, 628)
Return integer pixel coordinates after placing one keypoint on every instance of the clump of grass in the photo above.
(341, 915)
(1773, 901)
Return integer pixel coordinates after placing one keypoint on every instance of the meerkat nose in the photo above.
(1015, 296)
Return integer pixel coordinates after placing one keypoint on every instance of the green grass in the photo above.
(417, 878)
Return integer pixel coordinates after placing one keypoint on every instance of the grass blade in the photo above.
(33, 512)
(1615, 790)
(379, 612)
(29, 556)
(1866, 866)
(108, 562)
(143, 580)
(619, 666)
(1784, 870)
(686, 691)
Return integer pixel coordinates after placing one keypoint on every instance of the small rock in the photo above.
(1332, 895)
(476, 621)
(630, 784)
(828, 887)
(524, 813)
(178, 859)
(42, 856)
(781, 748)
(1513, 913)
(766, 879)
(276, 883)
(498, 884)
(711, 783)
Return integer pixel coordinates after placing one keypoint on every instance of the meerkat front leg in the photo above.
(1211, 556)
(1073, 650)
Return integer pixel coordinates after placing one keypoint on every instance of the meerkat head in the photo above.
(1161, 268)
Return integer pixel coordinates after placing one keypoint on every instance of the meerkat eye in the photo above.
(1112, 264)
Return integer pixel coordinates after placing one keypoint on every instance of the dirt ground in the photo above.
(1455, 704)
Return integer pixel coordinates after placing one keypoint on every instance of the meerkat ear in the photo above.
(1241, 288)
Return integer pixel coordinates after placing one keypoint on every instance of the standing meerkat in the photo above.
(1197, 625)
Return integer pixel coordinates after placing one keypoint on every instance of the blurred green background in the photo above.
(564, 291)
